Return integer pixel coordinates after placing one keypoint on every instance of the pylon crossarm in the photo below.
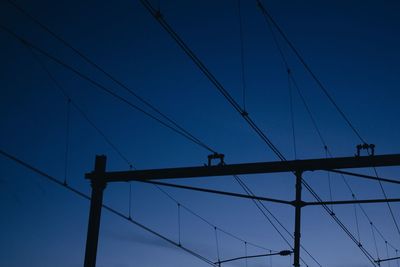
(253, 168)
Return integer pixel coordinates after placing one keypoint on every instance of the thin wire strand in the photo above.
(106, 207)
(243, 74)
(76, 106)
(130, 201)
(58, 85)
(356, 219)
(286, 64)
(179, 129)
(216, 243)
(329, 178)
(268, 19)
(67, 142)
(249, 120)
(179, 223)
(375, 243)
(387, 253)
(292, 119)
(245, 253)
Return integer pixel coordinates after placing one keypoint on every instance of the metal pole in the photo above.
(298, 205)
(98, 183)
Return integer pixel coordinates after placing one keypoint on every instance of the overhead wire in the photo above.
(242, 63)
(306, 66)
(25, 42)
(234, 104)
(265, 136)
(156, 14)
(183, 133)
(208, 222)
(122, 156)
(67, 142)
(106, 207)
(268, 17)
(315, 125)
(99, 85)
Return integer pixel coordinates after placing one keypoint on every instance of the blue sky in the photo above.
(352, 46)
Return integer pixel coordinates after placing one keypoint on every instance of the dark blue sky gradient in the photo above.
(352, 46)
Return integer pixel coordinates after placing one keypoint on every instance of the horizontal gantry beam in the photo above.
(252, 168)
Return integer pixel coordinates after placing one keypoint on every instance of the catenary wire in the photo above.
(242, 63)
(114, 147)
(268, 17)
(251, 123)
(315, 125)
(97, 84)
(158, 16)
(106, 207)
(24, 41)
(111, 77)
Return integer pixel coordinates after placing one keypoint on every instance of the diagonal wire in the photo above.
(106, 207)
(236, 106)
(183, 131)
(286, 64)
(25, 42)
(96, 84)
(115, 148)
(269, 18)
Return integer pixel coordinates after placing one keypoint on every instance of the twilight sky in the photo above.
(352, 47)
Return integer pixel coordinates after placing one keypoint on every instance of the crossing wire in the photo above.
(181, 130)
(208, 222)
(218, 85)
(58, 85)
(98, 85)
(260, 205)
(76, 106)
(268, 17)
(183, 133)
(307, 67)
(106, 207)
(251, 123)
(158, 16)
(315, 125)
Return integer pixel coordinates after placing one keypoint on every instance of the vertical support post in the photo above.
(98, 184)
(298, 204)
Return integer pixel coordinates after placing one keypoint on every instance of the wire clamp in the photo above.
(370, 148)
(216, 156)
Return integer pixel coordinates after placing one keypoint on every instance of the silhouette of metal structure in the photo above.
(99, 178)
